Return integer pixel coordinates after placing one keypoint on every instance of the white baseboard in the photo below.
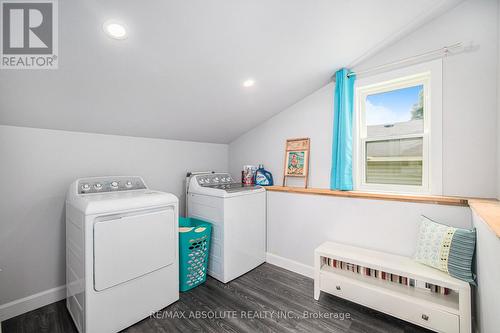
(290, 265)
(23, 305)
(26, 304)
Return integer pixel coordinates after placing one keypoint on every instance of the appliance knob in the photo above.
(98, 186)
(114, 184)
(128, 184)
(85, 187)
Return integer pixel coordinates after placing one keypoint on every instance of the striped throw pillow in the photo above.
(446, 248)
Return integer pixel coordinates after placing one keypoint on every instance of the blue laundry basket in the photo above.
(194, 247)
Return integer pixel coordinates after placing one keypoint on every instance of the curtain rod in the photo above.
(441, 52)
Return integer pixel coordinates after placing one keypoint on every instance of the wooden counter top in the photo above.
(429, 199)
(489, 211)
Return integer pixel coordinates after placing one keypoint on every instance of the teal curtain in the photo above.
(341, 174)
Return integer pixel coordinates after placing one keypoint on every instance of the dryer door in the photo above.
(127, 247)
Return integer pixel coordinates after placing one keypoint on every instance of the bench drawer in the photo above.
(396, 305)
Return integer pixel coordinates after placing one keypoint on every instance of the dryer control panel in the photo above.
(110, 184)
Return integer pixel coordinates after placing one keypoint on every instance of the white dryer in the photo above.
(121, 252)
(238, 215)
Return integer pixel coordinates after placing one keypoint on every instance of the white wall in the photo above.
(488, 276)
(469, 108)
(469, 93)
(498, 105)
(312, 117)
(37, 167)
(298, 223)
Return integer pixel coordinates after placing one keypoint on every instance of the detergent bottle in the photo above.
(263, 177)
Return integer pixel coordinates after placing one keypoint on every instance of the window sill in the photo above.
(489, 211)
(428, 199)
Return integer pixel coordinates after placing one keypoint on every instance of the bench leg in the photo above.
(464, 303)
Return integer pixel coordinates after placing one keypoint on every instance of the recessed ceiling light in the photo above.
(248, 83)
(115, 30)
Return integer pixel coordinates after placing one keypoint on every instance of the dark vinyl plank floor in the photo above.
(267, 299)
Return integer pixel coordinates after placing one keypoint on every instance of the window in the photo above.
(393, 149)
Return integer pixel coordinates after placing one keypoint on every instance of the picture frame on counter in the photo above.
(296, 162)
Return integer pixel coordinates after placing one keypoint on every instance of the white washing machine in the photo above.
(238, 215)
(121, 252)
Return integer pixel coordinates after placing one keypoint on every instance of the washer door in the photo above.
(127, 247)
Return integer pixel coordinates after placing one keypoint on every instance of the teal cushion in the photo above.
(446, 248)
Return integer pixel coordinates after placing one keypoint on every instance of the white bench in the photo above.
(435, 311)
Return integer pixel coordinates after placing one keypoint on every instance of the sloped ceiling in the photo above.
(179, 73)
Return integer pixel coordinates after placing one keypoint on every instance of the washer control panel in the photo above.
(110, 184)
(214, 179)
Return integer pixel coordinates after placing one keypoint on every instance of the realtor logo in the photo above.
(29, 34)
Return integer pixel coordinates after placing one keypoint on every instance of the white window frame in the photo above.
(430, 76)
